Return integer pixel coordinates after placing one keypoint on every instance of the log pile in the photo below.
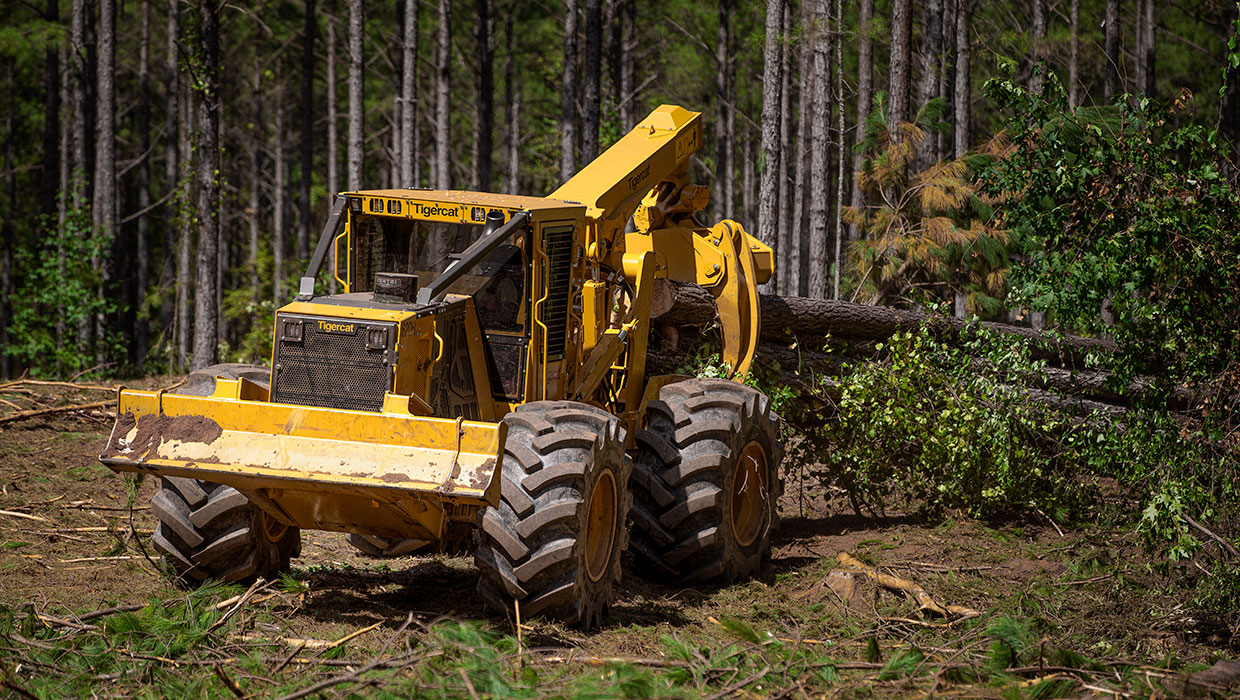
(794, 328)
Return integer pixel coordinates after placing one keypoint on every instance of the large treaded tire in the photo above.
(688, 482)
(537, 547)
(212, 531)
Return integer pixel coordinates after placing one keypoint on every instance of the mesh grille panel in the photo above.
(559, 245)
(333, 370)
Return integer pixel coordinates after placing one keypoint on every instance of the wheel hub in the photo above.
(749, 494)
(600, 534)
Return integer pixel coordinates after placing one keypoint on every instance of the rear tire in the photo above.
(212, 531)
(706, 483)
(553, 543)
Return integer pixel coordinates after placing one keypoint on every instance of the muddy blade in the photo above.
(388, 474)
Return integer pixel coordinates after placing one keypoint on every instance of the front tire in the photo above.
(706, 483)
(553, 543)
(212, 531)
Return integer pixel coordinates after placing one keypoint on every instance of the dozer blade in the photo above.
(391, 474)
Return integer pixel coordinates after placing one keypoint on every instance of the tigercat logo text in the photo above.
(421, 209)
(331, 327)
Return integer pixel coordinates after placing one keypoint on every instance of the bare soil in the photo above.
(74, 537)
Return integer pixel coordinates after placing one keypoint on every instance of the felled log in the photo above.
(798, 318)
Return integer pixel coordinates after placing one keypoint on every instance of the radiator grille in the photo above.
(559, 245)
(332, 370)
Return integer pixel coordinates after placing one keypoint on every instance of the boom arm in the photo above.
(648, 168)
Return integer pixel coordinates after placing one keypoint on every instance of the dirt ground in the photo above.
(66, 545)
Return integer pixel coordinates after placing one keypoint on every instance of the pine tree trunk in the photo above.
(628, 64)
(568, 95)
(719, 195)
(747, 185)
(309, 39)
(278, 205)
(865, 92)
(590, 93)
(1038, 21)
(206, 311)
(143, 262)
(254, 205)
(901, 55)
(49, 166)
(794, 256)
(185, 233)
(104, 209)
(820, 136)
(1074, 54)
(841, 144)
(768, 197)
(961, 111)
(443, 87)
(486, 96)
(357, 106)
(512, 98)
(786, 225)
(1111, 43)
(333, 119)
(1148, 23)
(409, 94)
(929, 53)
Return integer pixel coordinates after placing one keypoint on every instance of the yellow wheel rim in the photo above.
(749, 494)
(273, 529)
(601, 525)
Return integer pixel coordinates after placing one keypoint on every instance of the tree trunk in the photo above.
(1148, 24)
(443, 87)
(842, 148)
(104, 209)
(747, 185)
(865, 91)
(49, 185)
(486, 96)
(512, 98)
(278, 198)
(333, 123)
(784, 232)
(409, 95)
(206, 312)
(1038, 54)
(140, 329)
(254, 205)
(962, 94)
(185, 237)
(628, 65)
(1074, 54)
(791, 259)
(357, 106)
(928, 57)
(798, 319)
(898, 111)
(719, 195)
(590, 96)
(77, 53)
(309, 38)
(1111, 43)
(568, 95)
(819, 177)
(768, 197)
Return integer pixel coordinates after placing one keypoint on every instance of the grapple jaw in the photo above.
(389, 473)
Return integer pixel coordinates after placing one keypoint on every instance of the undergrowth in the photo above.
(187, 646)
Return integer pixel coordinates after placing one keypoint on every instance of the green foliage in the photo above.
(1127, 208)
(927, 236)
(59, 294)
(947, 426)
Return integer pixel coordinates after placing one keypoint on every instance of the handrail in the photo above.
(474, 254)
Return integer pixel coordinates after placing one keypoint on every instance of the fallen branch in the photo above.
(1208, 533)
(12, 514)
(59, 409)
(70, 385)
(895, 583)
